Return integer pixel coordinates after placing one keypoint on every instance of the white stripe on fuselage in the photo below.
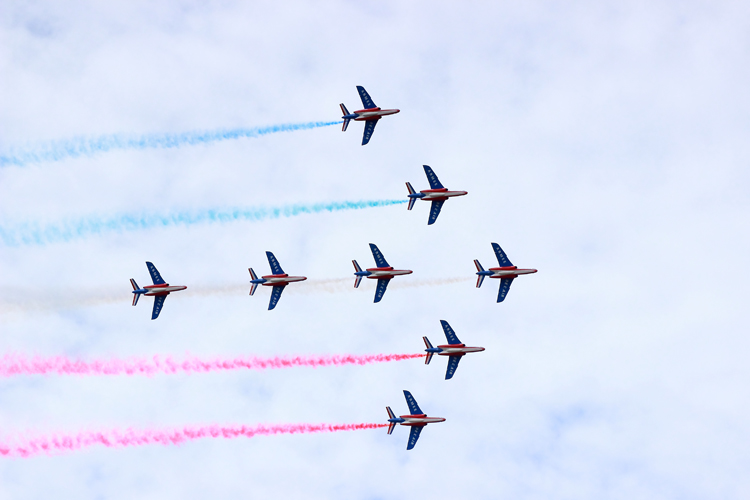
(393, 272)
(365, 115)
(499, 273)
(409, 420)
(456, 350)
(270, 280)
(163, 289)
(441, 194)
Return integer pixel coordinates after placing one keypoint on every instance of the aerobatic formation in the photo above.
(383, 273)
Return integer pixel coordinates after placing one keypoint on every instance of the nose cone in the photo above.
(396, 111)
(441, 420)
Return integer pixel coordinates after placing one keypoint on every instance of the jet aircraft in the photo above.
(370, 115)
(159, 290)
(383, 273)
(416, 420)
(278, 280)
(437, 194)
(454, 350)
(507, 272)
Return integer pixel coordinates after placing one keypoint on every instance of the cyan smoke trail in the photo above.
(89, 146)
(34, 234)
(23, 447)
(14, 364)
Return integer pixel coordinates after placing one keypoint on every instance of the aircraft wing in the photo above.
(155, 276)
(366, 99)
(275, 296)
(158, 304)
(449, 333)
(504, 287)
(432, 178)
(275, 266)
(502, 259)
(369, 129)
(452, 365)
(378, 256)
(435, 211)
(380, 290)
(412, 404)
(413, 436)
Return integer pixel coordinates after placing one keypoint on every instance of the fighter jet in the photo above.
(159, 290)
(437, 194)
(507, 272)
(417, 420)
(370, 115)
(278, 280)
(383, 273)
(454, 350)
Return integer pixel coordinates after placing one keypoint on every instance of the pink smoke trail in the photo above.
(13, 364)
(21, 447)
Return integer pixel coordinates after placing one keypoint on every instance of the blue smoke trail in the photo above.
(34, 234)
(89, 146)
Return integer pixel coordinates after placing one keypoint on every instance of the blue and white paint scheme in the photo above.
(159, 290)
(370, 114)
(437, 194)
(383, 273)
(416, 420)
(278, 280)
(507, 272)
(455, 349)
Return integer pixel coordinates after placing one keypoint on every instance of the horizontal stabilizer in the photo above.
(357, 281)
(136, 296)
(133, 284)
(252, 274)
(345, 125)
(253, 288)
(480, 280)
(411, 189)
(356, 266)
(343, 109)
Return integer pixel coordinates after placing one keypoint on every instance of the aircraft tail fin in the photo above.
(480, 277)
(252, 273)
(357, 279)
(134, 284)
(346, 125)
(136, 296)
(411, 200)
(253, 288)
(343, 109)
(390, 415)
(429, 354)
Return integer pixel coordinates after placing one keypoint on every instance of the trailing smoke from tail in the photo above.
(90, 146)
(24, 447)
(12, 364)
(35, 234)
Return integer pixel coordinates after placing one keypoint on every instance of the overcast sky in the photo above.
(605, 145)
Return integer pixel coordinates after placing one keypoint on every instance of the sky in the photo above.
(603, 144)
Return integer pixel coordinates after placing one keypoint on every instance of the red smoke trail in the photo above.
(12, 364)
(55, 444)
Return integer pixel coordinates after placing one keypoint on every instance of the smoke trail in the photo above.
(89, 146)
(34, 234)
(19, 300)
(23, 447)
(12, 364)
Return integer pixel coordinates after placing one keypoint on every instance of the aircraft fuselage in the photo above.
(440, 194)
(457, 349)
(509, 272)
(281, 279)
(165, 289)
(371, 114)
(382, 273)
(419, 420)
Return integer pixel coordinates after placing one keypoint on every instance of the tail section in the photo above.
(480, 277)
(253, 288)
(390, 415)
(134, 284)
(136, 296)
(357, 279)
(346, 120)
(411, 200)
(252, 274)
(429, 354)
(343, 109)
(346, 125)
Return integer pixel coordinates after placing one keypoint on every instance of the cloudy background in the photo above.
(605, 145)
